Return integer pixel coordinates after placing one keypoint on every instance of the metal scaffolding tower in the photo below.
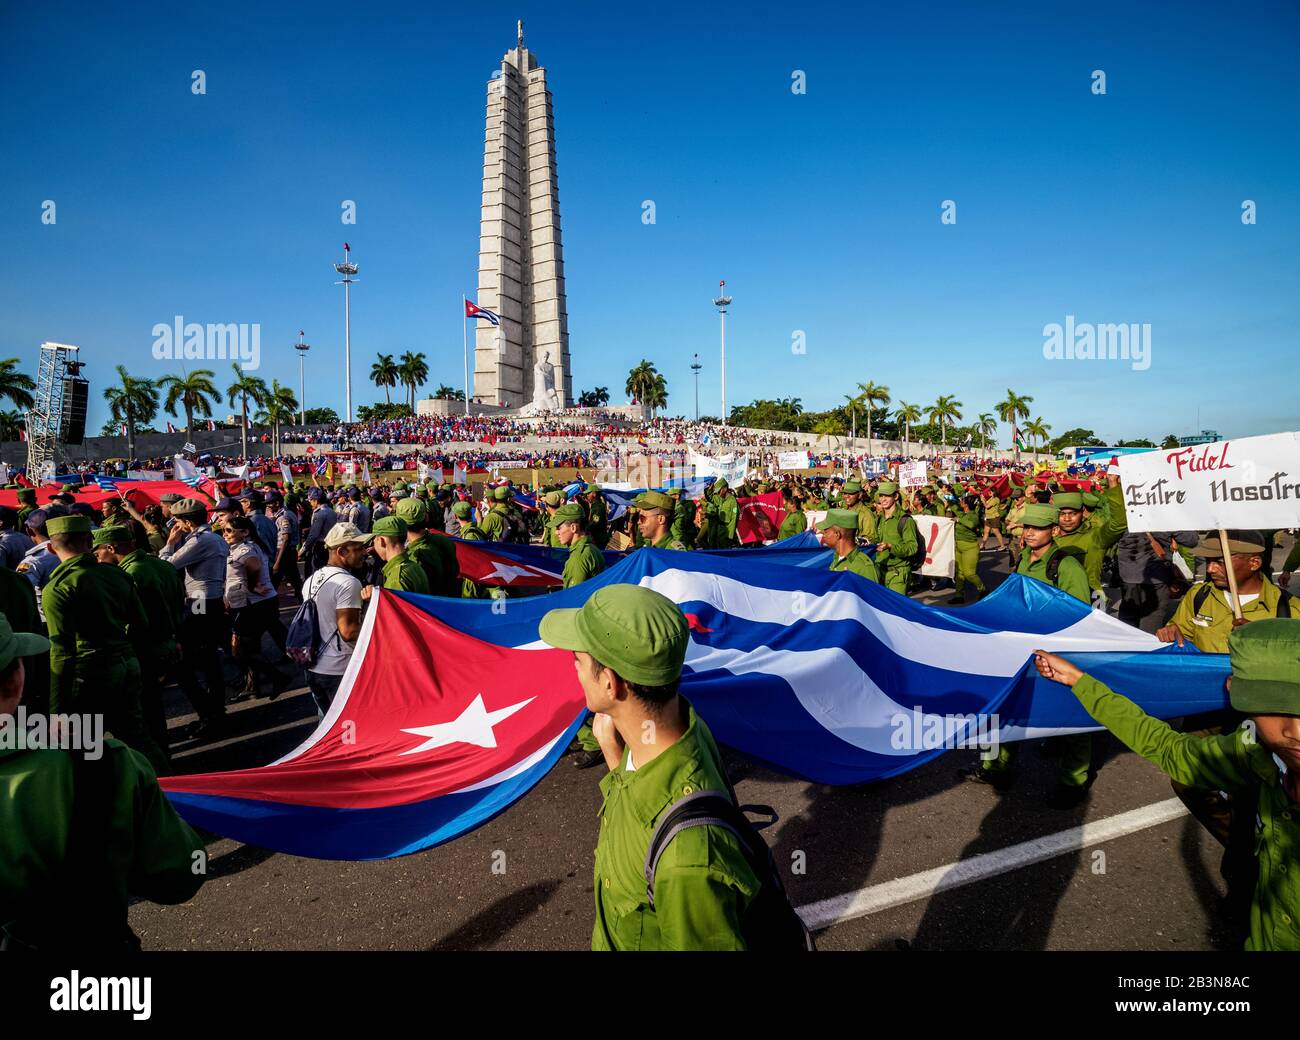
(43, 421)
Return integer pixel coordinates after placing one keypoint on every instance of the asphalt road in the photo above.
(524, 880)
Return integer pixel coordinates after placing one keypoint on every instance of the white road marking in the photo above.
(851, 905)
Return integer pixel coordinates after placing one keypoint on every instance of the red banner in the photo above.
(760, 518)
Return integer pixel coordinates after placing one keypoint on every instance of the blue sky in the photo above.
(821, 210)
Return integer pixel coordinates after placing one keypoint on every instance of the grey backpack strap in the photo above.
(672, 823)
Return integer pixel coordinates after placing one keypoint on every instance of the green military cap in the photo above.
(845, 518)
(390, 527)
(1265, 679)
(74, 523)
(429, 485)
(188, 507)
(887, 487)
(654, 500)
(721, 484)
(853, 487)
(421, 491)
(27, 495)
(675, 492)
(446, 485)
(568, 513)
(397, 493)
(553, 498)
(18, 644)
(502, 494)
(462, 510)
(1067, 500)
(412, 511)
(639, 633)
(1091, 499)
(114, 535)
(1040, 516)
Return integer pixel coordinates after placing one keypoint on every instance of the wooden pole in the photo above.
(1232, 575)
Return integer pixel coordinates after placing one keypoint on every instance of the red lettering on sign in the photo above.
(1206, 460)
(929, 545)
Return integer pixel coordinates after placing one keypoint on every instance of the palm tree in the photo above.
(601, 396)
(246, 388)
(1038, 430)
(640, 382)
(944, 410)
(413, 372)
(828, 426)
(134, 402)
(194, 392)
(16, 386)
(908, 414)
(872, 395)
(384, 373)
(281, 406)
(1014, 407)
(987, 426)
(854, 405)
(11, 425)
(657, 395)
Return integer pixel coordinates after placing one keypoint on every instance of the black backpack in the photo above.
(771, 922)
(1203, 593)
(1054, 563)
(917, 560)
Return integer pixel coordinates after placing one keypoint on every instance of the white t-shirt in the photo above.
(333, 589)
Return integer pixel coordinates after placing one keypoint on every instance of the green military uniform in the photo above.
(470, 532)
(150, 850)
(795, 522)
(597, 524)
(552, 500)
(1208, 628)
(650, 501)
(1264, 682)
(26, 505)
(493, 524)
(706, 536)
(856, 561)
(18, 604)
(1071, 578)
(867, 519)
(403, 573)
(585, 560)
(966, 548)
(900, 534)
(703, 885)
(95, 622)
(724, 532)
(162, 595)
(1094, 538)
(435, 553)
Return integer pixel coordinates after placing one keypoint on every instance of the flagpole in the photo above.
(464, 339)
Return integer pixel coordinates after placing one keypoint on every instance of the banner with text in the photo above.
(912, 474)
(793, 460)
(731, 468)
(937, 534)
(1249, 483)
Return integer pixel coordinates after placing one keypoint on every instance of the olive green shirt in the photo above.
(162, 595)
(153, 849)
(402, 574)
(584, 561)
(436, 550)
(1208, 629)
(900, 533)
(1071, 578)
(426, 556)
(1098, 533)
(94, 617)
(859, 563)
(703, 882)
(669, 541)
(795, 522)
(1238, 764)
(493, 523)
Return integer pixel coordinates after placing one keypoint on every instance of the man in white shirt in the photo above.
(337, 594)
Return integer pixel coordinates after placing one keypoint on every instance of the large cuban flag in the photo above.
(451, 709)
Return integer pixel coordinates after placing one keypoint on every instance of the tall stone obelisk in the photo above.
(521, 257)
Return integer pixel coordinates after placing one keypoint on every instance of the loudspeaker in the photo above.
(72, 423)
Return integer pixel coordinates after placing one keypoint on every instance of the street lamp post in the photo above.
(302, 349)
(347, 269)
(696, 369)
(722, 303)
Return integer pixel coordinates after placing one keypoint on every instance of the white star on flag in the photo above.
(509, 572)
(474, 726)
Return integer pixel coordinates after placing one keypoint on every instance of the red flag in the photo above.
(760, 517)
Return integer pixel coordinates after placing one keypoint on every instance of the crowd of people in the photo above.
(103, 608)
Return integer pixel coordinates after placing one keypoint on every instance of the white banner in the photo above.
(793, 460)
(731, 468)
(145, 474)
(815, 517)
(912, 474)
(459, 475)
(1251, 483)
(937, 534)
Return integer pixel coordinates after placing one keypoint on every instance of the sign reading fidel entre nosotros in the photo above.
(1249, 483)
